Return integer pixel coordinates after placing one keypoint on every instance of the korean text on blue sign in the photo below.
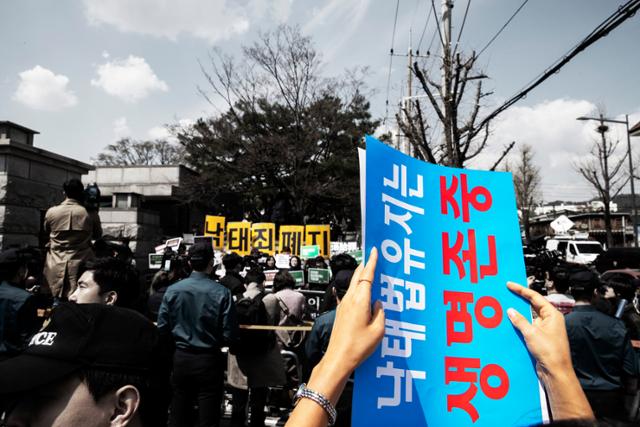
(448, 241)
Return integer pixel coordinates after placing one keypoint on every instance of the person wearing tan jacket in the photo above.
(70, 228)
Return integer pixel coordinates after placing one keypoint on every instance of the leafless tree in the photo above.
(526, 180)
(604, 171)
(130, 152)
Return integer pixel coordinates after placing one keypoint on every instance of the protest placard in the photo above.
(291, 236)
(319, 276)
(263, 237)
(155, 261)
(269, 276)
(214, 227)
(311, 251)
(239, 237)
(298, 276)
(282, 260)
(448, 241)
(318, 235)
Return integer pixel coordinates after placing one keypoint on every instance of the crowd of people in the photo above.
(85, 342)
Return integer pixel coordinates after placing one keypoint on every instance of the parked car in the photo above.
(617, 258)
(576, 251)
(625, 276)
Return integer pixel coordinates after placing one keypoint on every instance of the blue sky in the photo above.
(86, 72)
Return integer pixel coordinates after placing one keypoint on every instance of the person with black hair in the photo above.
(18, 308)
(108, 281)
(558, 290)
(255, 363)
(339, 262)
(89, 366)
(232, 280)
(70, 229)
(294, 263)
(199, 315)
(601, 351)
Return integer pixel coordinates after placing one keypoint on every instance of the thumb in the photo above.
(519, 321)
(377, 320)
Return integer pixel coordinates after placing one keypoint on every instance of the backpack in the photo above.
(251, 311)
(291, 340)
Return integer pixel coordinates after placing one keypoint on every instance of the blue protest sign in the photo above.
(448, 241)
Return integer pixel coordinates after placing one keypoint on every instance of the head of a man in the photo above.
(233, 262)
(283, 280)
(201, 257)
(90, 366)
(110, 281)
(342, 262)
(13, 266)
(254, 276)
(73, 189)
(583, 285)
(341, 284)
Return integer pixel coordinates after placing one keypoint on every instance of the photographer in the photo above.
(70, 228)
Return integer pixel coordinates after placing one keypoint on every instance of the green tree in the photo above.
(285, 148)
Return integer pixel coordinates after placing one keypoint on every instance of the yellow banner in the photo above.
(291, 237)
(214, 227)
(263, 237)
(239, 237)
(318, 235)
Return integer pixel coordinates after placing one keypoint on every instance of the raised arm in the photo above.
(547, 341)
(356, 333)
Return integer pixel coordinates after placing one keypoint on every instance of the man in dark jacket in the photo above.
(18, 308)
(601, 351)
(199, 315)
(233, 265)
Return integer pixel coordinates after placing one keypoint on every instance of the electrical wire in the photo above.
(464, 19)
(621, 14)
(503, 27)
(433, 7)
(393, 38)
(423, 32)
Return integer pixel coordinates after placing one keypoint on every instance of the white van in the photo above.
(576, 251)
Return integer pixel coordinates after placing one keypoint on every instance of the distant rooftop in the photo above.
(635, 130)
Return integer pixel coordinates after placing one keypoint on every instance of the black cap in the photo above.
(201, 252)
(584, 280)
(82, 336)
(11, 257)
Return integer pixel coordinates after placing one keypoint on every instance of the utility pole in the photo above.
(633, 190)
(406, 146)
(447, 71)
(607, 188)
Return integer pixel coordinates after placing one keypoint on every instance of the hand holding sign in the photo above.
(546, 339)
(357, 332)
(355, 335)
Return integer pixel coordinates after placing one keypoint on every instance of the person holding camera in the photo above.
(70, 228)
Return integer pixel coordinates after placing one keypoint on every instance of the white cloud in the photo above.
(211, 20)
(129, 79)
(343, 16)
(105, 54)
(121, 128)
(557, 138)
(159, 132)
(41, 89)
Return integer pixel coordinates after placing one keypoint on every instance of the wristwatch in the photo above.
(304, 392)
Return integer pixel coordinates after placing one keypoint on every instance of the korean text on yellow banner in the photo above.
(264, 237)
(214, 227)
(239, 237)
(318, 235)
(291, 236)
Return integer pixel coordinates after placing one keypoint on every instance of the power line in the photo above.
(618, 17)
(393, 38)
(503, 27)
(464, 19)
(435, 14)
(424, 30)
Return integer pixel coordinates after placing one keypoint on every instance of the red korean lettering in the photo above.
(450, 253)
(479, 197)
(463, 369)
(492, 321)
(458, 314)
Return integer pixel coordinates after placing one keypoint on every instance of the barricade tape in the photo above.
(275, 328)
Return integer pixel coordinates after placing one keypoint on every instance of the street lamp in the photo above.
(602, 129)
